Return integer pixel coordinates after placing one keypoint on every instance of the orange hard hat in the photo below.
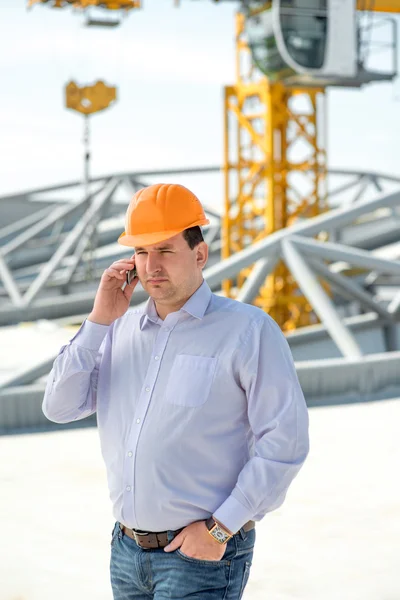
(159, 212)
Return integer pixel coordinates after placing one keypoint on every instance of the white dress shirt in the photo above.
(199, 414)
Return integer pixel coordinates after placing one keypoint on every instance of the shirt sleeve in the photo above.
(72, 383)
(278, 418)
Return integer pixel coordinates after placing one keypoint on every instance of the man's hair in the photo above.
(193, 236)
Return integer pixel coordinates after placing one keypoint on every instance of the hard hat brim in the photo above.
(148, 239)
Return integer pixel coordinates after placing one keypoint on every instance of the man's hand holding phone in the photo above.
(113, 297)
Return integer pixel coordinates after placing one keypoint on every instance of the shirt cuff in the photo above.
(232, 514)
(90, 335)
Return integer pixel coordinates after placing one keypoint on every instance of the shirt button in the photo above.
(137, 420)
(147, 389)
(156, 358)
(130, 454)
(128, 488)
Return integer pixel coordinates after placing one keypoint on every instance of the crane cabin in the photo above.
(317, 42)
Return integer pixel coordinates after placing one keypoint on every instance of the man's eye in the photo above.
(141, 253)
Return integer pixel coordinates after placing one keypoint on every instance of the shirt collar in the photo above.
(196, 306)
(198, 302)
(150, 314)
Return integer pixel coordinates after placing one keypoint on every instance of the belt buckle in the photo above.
(137, 536)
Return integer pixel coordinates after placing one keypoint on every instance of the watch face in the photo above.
(220, 535)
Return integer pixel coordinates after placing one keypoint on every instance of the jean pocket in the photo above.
(197, 561)
(245, 541)
(114, 533)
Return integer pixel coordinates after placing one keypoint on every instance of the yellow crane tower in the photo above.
(287, 53)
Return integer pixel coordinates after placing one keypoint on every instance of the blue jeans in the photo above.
(138, 574)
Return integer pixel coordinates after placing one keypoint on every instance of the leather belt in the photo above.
(149, 540)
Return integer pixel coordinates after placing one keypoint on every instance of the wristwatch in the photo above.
(217, 532)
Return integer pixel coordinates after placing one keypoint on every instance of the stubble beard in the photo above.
(159, 294)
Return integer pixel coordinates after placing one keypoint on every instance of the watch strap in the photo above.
(210, 523)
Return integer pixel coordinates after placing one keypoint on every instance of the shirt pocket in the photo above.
(190, 380)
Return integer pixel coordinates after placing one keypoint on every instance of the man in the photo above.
(201, 418)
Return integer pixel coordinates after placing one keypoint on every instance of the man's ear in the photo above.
(201, 254)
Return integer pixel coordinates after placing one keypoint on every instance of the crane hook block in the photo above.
(89, 99)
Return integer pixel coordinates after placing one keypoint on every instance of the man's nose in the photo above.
(153, 263)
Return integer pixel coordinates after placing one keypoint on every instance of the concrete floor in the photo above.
(337, 537)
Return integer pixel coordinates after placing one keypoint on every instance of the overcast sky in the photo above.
(170, 65)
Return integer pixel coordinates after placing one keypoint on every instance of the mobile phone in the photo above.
(130, 275)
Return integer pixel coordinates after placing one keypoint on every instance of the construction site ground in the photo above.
(336, 537)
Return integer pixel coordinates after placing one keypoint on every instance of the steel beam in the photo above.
(34, 257)
(345, 187)
(9, 283)
(56, 231)
(21, 410)
(351, 287)
(394, 306)
(364, 183)
(22, 224)
(374, 175)
(70, 240)
(390, 338)
(261, 270)
(30, 375)
(211, 234)
(375, 181)
(317, 333)
(354, 256)
(320, 301)
(31, 232)
(89, 232)
(130, 185)
(56, 307)
(105, 178)
(344, 381)
(270, 245)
